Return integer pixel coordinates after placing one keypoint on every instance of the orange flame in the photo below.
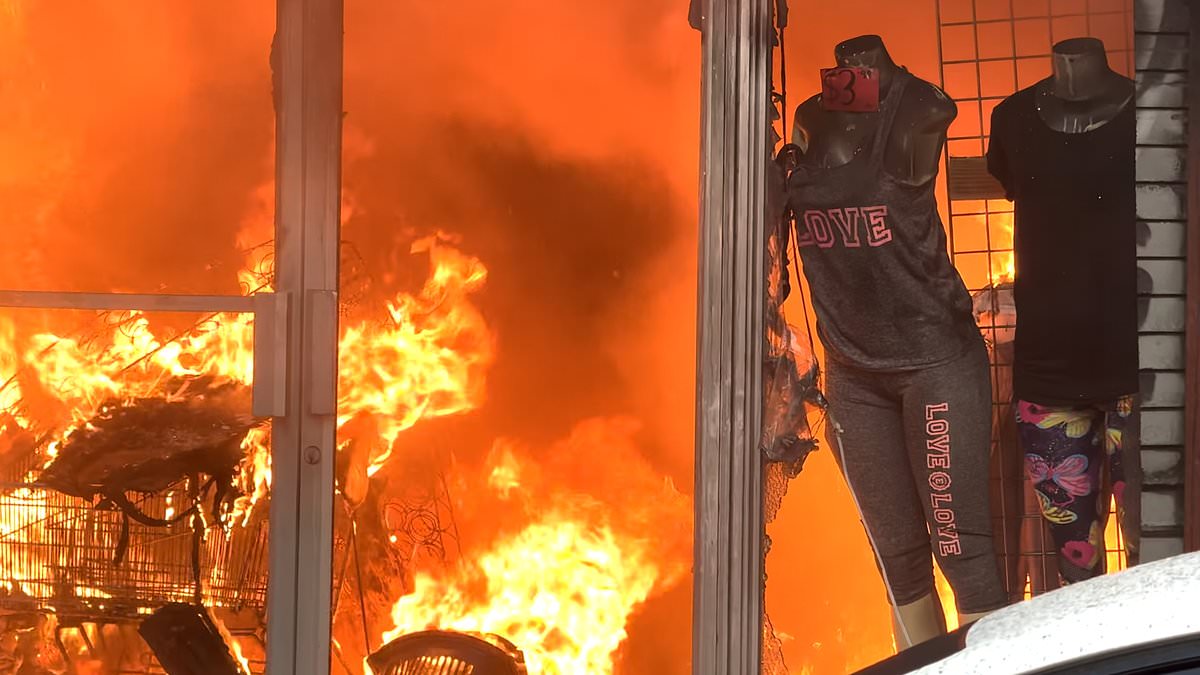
(564, 586)
(1003, 262)
(1003, 268)
(429, 361)
(562, 583)
(561, 590)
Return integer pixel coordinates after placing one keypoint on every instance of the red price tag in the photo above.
(850, 89)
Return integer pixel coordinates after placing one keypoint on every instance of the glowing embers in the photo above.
(446, 653)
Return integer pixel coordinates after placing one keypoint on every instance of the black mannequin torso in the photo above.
(833, 138)
(1064, 151)
(1084, 93)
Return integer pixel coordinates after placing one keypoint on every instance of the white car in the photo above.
(1143, 620)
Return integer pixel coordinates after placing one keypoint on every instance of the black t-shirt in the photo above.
(1076, 253)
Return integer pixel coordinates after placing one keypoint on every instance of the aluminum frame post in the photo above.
(728, 602)
(308, 80)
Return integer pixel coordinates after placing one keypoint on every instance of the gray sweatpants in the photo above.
(915, 453)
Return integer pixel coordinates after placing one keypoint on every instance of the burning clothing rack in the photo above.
(56, 551)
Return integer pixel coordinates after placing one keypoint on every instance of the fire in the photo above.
(428, 361)
(254, 478)
(565, 584)
(88, 212)
(1002, 260)
(561, 590)
(562, 577)
(1003, 268)
(505, 475)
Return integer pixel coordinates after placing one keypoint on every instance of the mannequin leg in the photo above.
(1064, 455)
(867, 434)
(948, 426)
(918, 621)
(965, 619)
(1121, 434)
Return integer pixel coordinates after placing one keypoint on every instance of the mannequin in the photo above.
(1084, 93)
(905, 359)
(915, 146)
(1064, 152)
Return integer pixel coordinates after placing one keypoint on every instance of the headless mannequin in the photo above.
(832, 138)
(828, 139)
(1084, 93)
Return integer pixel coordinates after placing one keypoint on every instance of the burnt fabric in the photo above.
(790, 372)
(148, 444)
(885, 292)
(1075, 250)
(1067, 450)
(914, 451)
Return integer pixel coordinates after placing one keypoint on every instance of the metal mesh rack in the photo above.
(58, 552)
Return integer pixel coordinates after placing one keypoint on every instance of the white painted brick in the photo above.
(1162, 508)
(1162, 427)
(1161, 202)
(1157, 548)
(1162, 390)
(1162, 467)
(1162, 315)
(1160, 352)
(1162, 239)
(1160, 52)
(1162, 90)
(1160, 16)
(1162, 127)
(1162, 277)
(1161, 164)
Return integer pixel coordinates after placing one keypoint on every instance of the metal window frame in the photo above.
(270, 312)
(295, 342)
(307, 58)
(736, 37)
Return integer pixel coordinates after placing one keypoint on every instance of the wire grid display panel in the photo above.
(58, 551)
(990, 49)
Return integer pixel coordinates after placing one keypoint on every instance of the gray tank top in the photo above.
(885, 292)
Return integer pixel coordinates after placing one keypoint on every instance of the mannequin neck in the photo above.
(1081, 71)
(868, 51)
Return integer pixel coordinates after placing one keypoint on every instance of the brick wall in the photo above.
(1161, 44)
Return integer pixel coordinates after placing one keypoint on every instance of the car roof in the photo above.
(1144, 604)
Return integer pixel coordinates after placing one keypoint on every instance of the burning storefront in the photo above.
(375, 352)
(502, 474)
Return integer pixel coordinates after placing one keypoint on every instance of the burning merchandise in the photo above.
(147, 445)
(30, 645)
(579, 546)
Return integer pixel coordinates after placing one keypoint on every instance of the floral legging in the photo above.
(1065, 452)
